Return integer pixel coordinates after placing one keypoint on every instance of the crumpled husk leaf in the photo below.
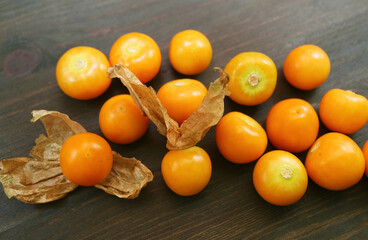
(192, 130)
(39, 179)
(127, 177)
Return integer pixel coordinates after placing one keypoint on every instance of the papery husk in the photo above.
(127, 177)
(193, 129)
(39, 179)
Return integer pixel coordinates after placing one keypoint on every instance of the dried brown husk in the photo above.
(39, 179)
(192, 130)
(127, 177)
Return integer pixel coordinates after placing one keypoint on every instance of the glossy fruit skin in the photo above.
(365, 153)
(86, 159)
(335, 162)
(292, 125)
(240, 138)
(186, 172)
(280, 178)
(190, 52)
(139, 53)
(81, 73)
(121, 121)
(181, 97)
(343, 111)
(253, 78)
(307, 67)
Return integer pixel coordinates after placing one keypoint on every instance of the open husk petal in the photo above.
(39, 179)
(127, 177)
(192, 130)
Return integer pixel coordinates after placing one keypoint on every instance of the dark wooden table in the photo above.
(34, 34)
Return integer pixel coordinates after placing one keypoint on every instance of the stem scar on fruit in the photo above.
(286, 172)
(79, 64)
(253, 79)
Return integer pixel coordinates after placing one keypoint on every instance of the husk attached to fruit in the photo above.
(39, 179)
(192, 130)
(127, 177)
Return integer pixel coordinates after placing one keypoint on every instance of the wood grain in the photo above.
(33, 36)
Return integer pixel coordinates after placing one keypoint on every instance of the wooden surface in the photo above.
(34, 34)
